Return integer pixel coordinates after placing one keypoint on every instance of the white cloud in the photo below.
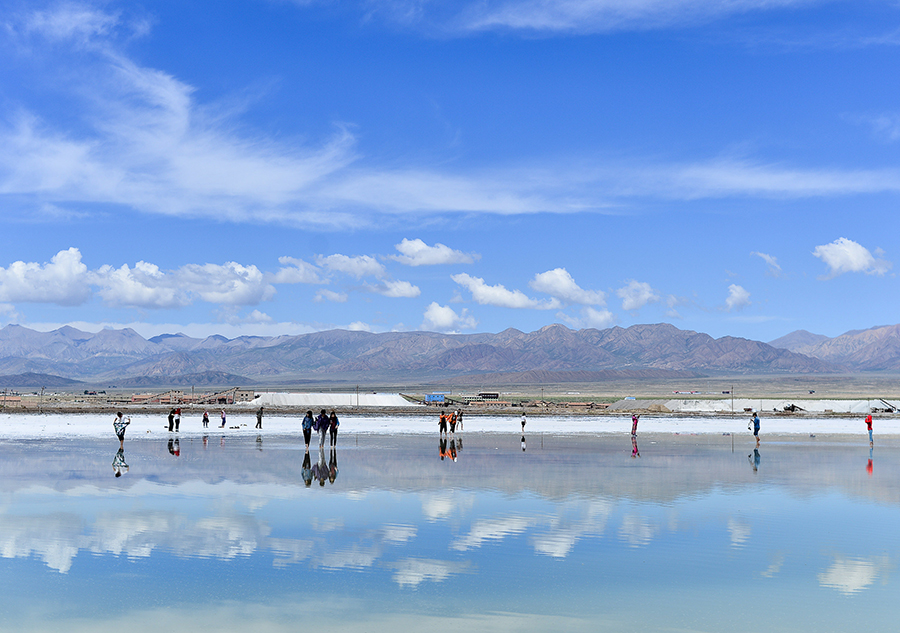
(359, 326)
(440, 318)
(491, 530)
(71, 21)
(560, 284)
(63, 280)
(846, 256)
(297, 271)
(330, 295)
(887, 126)
(359, 266)
(774, 268)
(418, 253)
(499, 296)
(589, 318)
(144, 286)
(636, 294)
(737, 298)
(394, 288)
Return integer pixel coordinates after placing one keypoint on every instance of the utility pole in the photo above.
(41, 406)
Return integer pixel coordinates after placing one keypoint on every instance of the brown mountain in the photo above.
(875, 349)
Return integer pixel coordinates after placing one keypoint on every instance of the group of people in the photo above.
(175, 419)
(323, 424)
(453, 419)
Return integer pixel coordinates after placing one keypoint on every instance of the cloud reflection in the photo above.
(852, 575)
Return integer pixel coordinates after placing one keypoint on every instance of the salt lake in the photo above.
(227, 530)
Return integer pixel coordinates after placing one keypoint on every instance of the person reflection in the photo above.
(320, 470)
(635, 453)
(442, 447)
(119, 465)
(523, 443)
(306, 471)
(205, 442)
(869, 466)
(174, 447)
(453, 450)
(259, 442)
(332, 465)
(754, 459)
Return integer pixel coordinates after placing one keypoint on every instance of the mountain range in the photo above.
(555, 352)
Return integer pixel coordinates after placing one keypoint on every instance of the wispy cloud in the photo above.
(774, 269)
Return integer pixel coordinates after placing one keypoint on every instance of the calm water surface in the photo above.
(573, 533)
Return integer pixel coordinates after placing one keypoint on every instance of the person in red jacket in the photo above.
(869, 426)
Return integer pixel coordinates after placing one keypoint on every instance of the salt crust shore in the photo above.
(49, 426)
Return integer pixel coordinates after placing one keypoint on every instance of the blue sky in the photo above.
(277, 167)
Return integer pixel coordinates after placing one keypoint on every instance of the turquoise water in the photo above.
(572, 533)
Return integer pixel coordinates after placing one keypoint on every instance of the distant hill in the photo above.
(32, 380)
(798, 340)
(875, 349)
(203, 379)
(176, 359)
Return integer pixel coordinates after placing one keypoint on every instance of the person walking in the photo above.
(223, 419)
(307, 426)
(321, 425)
(259, 414)
(333, 424)
(119, 424)
(869, 427)
(206, 419)
(756, 428)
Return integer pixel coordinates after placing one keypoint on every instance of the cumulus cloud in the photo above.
(737, 298)
(359, 266)
(297, 271)
(560, 284)
(499, 296)
(63, 280)
(411, 572)
(846, 256)
(330, 295)
(774, 268)
(636, 294)
(440, 318)
(394, 288)
(589, 318)
(418, 253)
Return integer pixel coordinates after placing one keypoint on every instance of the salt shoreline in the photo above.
(60, 425)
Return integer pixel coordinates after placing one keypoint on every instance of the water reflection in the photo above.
(579, 514)
(118, 463)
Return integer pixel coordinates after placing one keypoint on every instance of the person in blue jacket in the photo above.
(307, 425)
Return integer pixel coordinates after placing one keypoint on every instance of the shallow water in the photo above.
(573, 533)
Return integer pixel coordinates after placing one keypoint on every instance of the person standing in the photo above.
(206, 419)
(523, 422)
(442, 423)
(177, 418)
(634, 421)
(307, 426)
(171, 419)
(119, 424)
(869, 427)
(321, 425)
(259, 414)
(223, 419)
(756, 428)
(453, 423)
(333, 424)
(459, 416)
